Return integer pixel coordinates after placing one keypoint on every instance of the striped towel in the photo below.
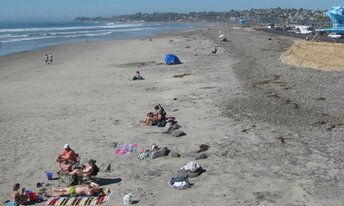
(144, 154)
(80, 200)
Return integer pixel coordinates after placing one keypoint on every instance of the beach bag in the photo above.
(162, 152)
(180, 182)
(161, 123)
(191, 166)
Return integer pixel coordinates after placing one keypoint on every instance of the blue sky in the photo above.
(69, 9)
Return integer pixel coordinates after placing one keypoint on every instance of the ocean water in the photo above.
(25, 36)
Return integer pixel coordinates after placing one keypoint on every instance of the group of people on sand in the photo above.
(48, 58)
(20, 198)
(158, 117)
(67, 160)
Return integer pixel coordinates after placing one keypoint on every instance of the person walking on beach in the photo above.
(50, 57)
(46, 58)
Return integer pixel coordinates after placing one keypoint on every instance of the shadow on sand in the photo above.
(108, 181)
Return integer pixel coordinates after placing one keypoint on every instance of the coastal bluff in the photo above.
(316, 55)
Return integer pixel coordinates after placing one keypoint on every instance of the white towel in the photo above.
(191, 166)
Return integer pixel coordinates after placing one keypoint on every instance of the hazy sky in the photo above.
(69, 9)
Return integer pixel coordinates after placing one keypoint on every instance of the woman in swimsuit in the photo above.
(17, 197)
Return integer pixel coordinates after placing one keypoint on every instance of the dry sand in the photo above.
(237, 101)
(317, 55)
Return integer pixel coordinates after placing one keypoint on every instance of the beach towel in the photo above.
(80, 200)
(144, 154)
(190, 174)
(192, 166)
(10, 203)
(125, 149)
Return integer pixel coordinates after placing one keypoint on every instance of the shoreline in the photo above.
(120, 36)
(68, 44)
(240, 101)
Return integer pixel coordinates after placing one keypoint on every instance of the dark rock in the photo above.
(202, 156)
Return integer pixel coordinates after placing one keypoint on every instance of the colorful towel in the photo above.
(81, 200)
(144, 154)
(125, 149)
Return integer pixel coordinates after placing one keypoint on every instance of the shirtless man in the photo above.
(73, 191)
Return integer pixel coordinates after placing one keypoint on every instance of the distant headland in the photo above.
(272, 15)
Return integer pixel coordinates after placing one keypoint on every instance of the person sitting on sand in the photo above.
(156, 117)
(73, 191)
(65, 166)
(67, 155)
(137, 76)
(17, 197)
(155, 147)
(67, 158)
(88, 170)
(150, 119)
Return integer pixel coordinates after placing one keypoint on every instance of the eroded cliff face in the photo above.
(317, 55)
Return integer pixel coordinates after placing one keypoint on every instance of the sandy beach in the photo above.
(275, 131)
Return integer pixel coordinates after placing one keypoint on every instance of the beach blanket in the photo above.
(80, 200)
(125, 149)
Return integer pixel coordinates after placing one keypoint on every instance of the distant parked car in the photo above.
(303, 29)
(271, 26)
(334, 35)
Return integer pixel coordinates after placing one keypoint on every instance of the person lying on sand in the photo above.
(17, 197)
(73, 191)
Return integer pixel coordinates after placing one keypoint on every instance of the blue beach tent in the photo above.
(171, 59)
